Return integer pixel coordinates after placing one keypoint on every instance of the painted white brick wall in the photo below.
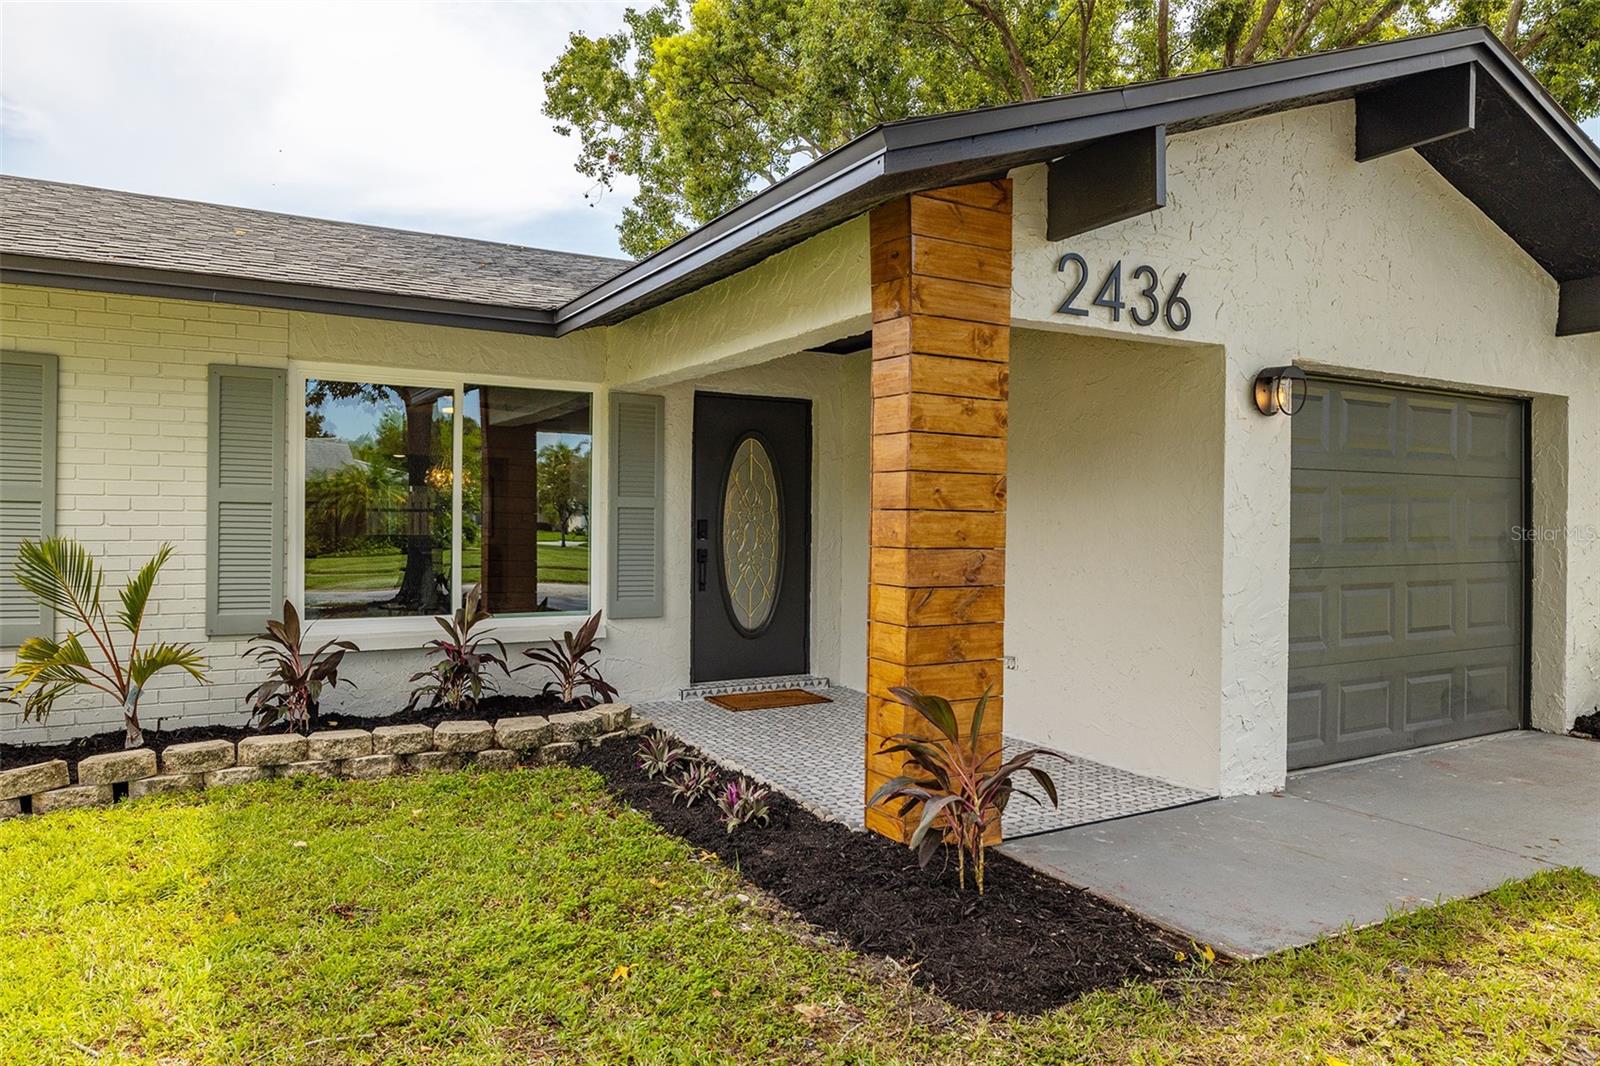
(132, 468)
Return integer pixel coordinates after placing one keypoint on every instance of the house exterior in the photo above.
(968, 404)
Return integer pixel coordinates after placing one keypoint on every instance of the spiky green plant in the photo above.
(60, 574)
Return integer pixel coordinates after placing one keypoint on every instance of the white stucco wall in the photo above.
(1296, 253)
(649, 657)
(816, 292)
(1113, 560)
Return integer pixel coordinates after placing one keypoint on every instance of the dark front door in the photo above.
(752, 537)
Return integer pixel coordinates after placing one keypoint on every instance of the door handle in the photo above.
(700, 560)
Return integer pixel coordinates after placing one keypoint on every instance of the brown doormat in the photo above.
(766, 701)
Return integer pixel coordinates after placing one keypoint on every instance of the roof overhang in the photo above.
(1512, 152)
(1521, 140)
(216, 288)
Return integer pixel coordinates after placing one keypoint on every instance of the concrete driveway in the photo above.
(1343, 846)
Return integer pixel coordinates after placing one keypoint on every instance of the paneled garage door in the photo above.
(1407, 580)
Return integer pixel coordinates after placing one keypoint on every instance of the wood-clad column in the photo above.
(941, 341)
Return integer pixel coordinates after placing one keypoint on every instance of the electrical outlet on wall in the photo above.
(1011, 662)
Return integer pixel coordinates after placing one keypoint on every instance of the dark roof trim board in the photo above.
(914, 154)
(212, 288)
(1521, 138)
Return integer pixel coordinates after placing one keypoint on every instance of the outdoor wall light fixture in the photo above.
(1280, 390)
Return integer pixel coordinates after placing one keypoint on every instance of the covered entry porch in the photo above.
(812, 754)
(1037, 512)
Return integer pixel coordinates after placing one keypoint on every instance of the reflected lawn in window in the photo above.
(377, 498)
(383, 512)
(563, 573)
(525, 478)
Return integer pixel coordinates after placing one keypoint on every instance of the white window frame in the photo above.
(378, 634)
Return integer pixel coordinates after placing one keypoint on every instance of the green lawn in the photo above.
(496, 918)
(383, 570)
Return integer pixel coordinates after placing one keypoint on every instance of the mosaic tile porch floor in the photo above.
(813, 754)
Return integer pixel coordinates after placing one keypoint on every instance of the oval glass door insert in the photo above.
(752, 536)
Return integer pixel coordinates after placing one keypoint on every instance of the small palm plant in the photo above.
(963, 792)
(60, 574)
(461, 676)
(295, 677)
(567, 660)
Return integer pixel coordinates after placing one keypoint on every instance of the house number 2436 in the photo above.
(1147, 303)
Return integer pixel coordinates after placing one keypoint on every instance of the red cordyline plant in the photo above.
(461, 676)
(567, 660)
(963, 792)
(295, 677)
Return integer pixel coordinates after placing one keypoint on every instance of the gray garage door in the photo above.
(1406, 583)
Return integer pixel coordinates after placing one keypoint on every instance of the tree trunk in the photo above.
(130, 720)
(1376, 19)
(1085, 19)
(1163, 41)
(416, 585)
(1269, 10)
(1513, 27)
(1014, 57)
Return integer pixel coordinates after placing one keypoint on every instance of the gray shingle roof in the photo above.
(76, 222)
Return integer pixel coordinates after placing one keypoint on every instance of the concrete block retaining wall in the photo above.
(356, 754)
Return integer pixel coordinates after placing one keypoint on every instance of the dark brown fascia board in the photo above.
(916, 154)
(1106, 181)
(212, 288)
(852, 168)
(1415, 111)
(1578, 310)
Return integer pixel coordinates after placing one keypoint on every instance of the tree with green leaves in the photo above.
(563, 484)
(416, 440)
(704, 105)
(61, 574)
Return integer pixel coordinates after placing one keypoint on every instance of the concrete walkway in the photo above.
(816, 755)
(1343, 846)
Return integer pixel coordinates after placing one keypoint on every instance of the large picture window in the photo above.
(383, 518)
(525, 498)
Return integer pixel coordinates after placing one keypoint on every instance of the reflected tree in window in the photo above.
(564, 485)
(525, 474)
(377, 499)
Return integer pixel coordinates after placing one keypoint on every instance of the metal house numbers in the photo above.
(1147, 304)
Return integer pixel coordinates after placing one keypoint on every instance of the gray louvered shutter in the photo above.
(27, 483)
(245, 490)
(638, 476)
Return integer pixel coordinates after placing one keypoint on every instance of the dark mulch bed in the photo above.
(1029, 944)
(1588, 725)
(501, 706)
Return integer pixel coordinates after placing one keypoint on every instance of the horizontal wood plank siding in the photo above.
(941, 309)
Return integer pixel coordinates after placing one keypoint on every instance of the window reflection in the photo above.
(525, 498)
(378, 499)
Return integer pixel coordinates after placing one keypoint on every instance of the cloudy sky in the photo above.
(420, 116)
